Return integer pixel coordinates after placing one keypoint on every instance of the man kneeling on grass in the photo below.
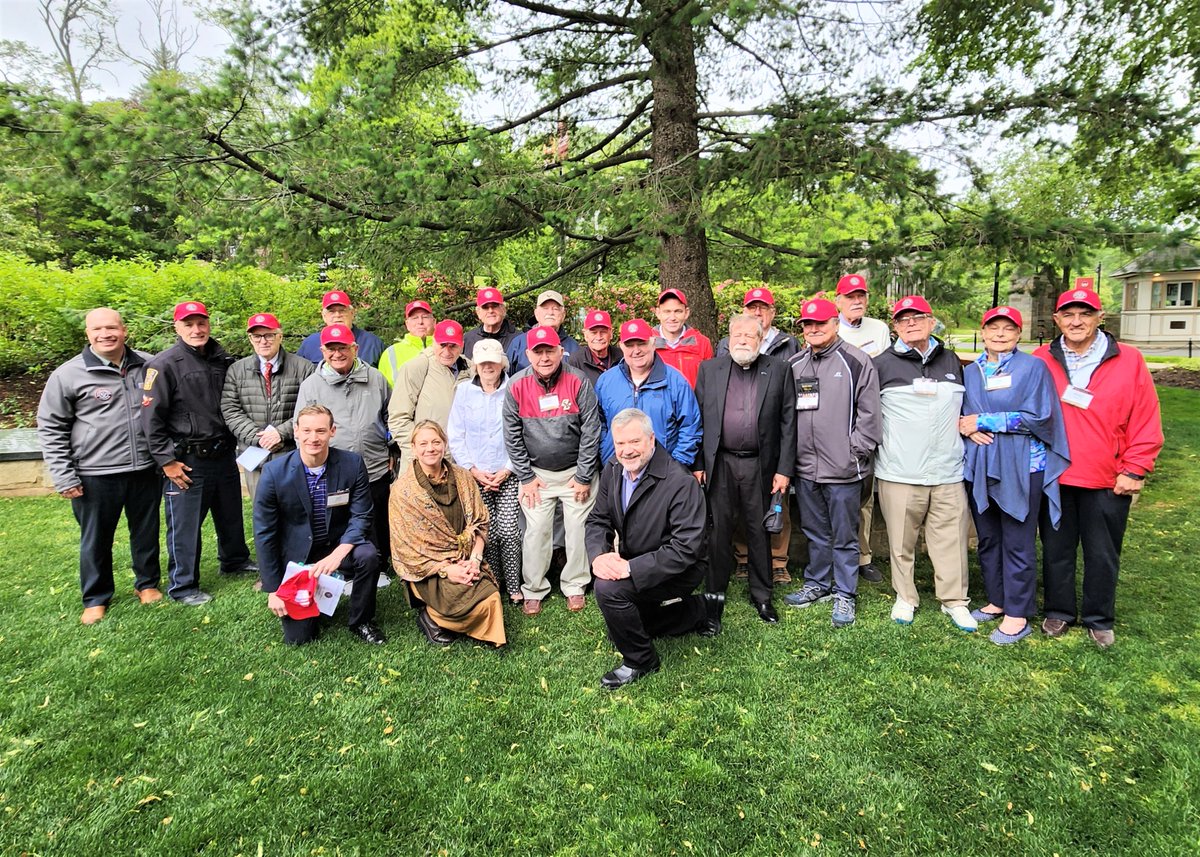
(644, 590)
(313, 506)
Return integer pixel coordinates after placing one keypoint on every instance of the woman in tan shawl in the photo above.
(439, 527)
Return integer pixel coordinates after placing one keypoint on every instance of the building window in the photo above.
(1179, 294)
(1131, 295)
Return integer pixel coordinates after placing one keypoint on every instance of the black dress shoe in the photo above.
(870, 573)
(714, 608)
(766, 612)
(433, 632)
(248, 568)
(624, 675)
(368, 633)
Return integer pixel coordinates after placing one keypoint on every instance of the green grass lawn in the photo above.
(172, 730)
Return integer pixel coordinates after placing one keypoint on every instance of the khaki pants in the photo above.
(942, 510)
(780, 542)
(865, 513)
(539, 537)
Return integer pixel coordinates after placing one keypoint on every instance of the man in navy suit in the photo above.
(313, 506)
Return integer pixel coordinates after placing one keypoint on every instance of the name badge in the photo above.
(1078, 397)
(808, 394)
(999, 382)
(870, 347)
(925, 386)
(338, 498)
(548, 402)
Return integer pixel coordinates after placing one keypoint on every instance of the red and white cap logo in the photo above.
(541, 334)
(191, 307)
(260, 319)
(906, 302)
(1080, 295)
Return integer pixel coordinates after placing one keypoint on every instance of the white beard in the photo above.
(743, 357)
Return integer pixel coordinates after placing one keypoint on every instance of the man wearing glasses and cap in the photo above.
(599, 356)
(492, 313)
(550, 312)
(181, 412)
(1114, 431)
(336, 308)
(419, 324)
(260, 393)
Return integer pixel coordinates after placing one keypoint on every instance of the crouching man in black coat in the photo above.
(644, 590)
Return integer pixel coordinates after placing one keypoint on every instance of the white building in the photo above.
(1160, 304)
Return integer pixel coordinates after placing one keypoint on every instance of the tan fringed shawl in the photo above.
(422, 539)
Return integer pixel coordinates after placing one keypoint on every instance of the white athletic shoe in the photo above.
(961, 617)
(902, 612)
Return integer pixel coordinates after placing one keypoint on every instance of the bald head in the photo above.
(106, 333)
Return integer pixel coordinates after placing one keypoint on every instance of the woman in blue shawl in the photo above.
(1018, 450)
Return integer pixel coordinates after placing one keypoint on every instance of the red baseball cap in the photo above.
(818, 309)
(541, 335)
(912, 303)
(635, 328)
(852, 283)
(1087, 297)
(335, 299)
(262, 319)
(598, 318)
(292, 587)
(415, 305)
(760, 295)
(673, 293)
(1002, 312)
(483, 297)
(189, 308)
(337, 333)
(448, 332)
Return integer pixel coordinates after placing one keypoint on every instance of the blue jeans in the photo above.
(215, 487)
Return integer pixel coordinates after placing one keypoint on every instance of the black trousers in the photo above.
(381, 490)
(361, 567)
(98, 512)
(635, 617)
(1095, 519)
(215, 488)
(735, 492)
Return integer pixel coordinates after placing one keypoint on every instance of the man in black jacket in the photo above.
(181, 409)
(748, 411)
(644, 590)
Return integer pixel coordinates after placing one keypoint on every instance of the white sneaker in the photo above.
(961, 617)
(384, 581)
(902, 612)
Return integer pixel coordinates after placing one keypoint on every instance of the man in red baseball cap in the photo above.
(919, 464)
(426, 384)
(357, 395)
(679, 346)
(260, 393)
(419, 324)
(336, 309)
(1114, 430)
(599, 356)
(492, 312)
(181, 413)
(837, 430)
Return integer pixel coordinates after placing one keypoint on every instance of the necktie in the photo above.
(316, 488)
(267, 379)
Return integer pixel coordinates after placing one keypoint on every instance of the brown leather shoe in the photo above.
(1054, 627)
(575, 603)
(531, 606)
(781, 576)
(1102, 637)
(92, 615)
(149, 595)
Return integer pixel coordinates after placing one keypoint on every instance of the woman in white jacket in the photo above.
(477, 445)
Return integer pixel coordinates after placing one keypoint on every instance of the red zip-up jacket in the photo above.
(1121, 430)
(693, 349)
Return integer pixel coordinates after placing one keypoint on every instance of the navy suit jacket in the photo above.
(283, 511)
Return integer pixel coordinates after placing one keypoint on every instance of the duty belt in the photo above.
(203, 448)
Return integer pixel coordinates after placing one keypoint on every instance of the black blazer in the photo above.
(776, 415)
(283, 511)
(662, 532)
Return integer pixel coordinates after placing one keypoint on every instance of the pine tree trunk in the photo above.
(675, 165)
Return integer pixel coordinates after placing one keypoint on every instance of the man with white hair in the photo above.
(748, 416)
(644, 587)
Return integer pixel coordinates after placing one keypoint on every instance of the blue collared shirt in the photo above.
(628, 486)
(1081, 366)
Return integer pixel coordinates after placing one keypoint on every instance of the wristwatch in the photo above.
(1138, 476)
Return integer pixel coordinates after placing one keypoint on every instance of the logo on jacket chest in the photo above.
(102, 395)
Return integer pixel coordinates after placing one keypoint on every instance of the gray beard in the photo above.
(743, 360)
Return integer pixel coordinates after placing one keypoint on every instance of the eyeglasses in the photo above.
(915, 318)
(264, 337)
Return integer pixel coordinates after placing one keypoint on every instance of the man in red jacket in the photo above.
(1115, 433)
(680, 346)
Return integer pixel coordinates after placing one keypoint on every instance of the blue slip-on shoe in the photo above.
(1002, 639)
(982, 615)
(808, 595)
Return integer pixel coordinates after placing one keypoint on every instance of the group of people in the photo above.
(655, 463)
